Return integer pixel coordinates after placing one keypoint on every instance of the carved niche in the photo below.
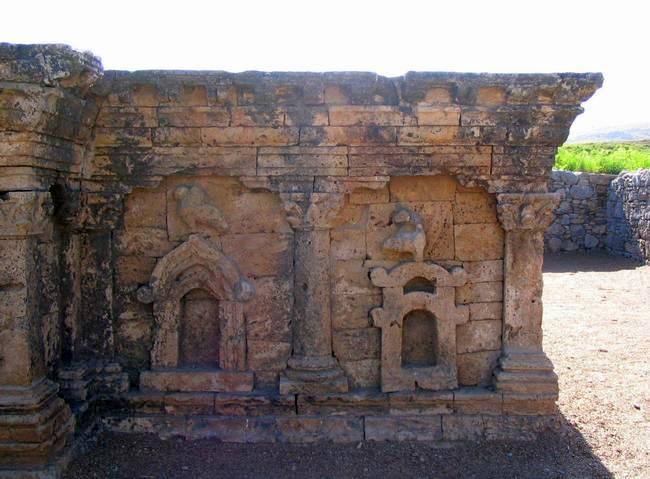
(418, 317)
(197, 264)
(198, 273)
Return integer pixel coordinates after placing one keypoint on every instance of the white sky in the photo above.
(387, 37)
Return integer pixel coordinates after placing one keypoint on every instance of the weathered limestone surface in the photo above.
(198, 253)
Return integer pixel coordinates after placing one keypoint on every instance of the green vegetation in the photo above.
(603, 157)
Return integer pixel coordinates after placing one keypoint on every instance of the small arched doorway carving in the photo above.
(198, 271)
(418, 321)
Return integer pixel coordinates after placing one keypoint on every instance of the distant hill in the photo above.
(623, 133)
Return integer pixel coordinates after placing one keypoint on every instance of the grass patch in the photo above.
(603, 157)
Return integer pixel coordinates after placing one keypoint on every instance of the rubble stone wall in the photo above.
(628, 214)
(600, 211)
(580, 220)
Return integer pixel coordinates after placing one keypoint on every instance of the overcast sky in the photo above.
(389, 38)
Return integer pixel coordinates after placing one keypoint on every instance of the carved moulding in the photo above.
(197, 264)
(399, 300)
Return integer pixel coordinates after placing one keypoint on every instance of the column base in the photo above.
(526, 373)
(35, 424)
(313, 375)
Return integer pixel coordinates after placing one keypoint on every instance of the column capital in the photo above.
(312, 211)
(526, 211)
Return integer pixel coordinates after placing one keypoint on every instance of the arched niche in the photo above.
(198, 265)
(419, 339)
(418, 320)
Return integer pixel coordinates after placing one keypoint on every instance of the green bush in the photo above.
(603, 157)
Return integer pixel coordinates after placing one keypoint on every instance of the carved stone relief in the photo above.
(197, 265)
(399, 301)
(418, 317)
(195, 211)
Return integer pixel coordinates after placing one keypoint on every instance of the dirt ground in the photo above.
(597, 332)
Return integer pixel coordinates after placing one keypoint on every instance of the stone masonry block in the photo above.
(478, 242)
(480, 292)
(474, 208)
(477, 336)
(422, 188)
(354, 344)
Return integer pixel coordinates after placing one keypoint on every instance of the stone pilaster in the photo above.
(524, 369)
(312, 368)
(89, 368)
(34, 421)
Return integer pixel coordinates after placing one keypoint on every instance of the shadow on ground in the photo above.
(563, 454)
(597, 261)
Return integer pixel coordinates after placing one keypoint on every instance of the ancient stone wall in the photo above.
(600, 211)
(628, 211)
(580, 220)
(273, 256)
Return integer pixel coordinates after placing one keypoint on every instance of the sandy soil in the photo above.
(597, 327)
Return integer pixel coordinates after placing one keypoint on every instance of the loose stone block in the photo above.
(469, 248)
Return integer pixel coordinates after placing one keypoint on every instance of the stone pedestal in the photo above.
(524, 369)
(34, 424)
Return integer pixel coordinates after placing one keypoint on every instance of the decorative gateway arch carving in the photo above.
(420, 293)
(197, 264)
